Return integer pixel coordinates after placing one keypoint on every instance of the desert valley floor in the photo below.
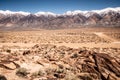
(66, 54)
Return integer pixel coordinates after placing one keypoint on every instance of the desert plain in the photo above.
(64, 54)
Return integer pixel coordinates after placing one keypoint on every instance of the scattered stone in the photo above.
(64, 63)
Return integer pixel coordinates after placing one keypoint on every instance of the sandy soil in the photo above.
(14, 44)
(83, 37)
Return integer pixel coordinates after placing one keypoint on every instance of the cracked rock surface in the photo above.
(51, 62)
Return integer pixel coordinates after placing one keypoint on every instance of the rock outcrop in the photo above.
(60, 62)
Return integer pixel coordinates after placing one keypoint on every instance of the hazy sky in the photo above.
(56, 6)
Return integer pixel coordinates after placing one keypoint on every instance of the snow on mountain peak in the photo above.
(84, 13)
(75, 12)
(8, 12)
(106, 10)
(45, 14)
(88, 13)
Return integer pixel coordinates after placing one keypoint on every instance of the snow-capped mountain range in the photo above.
(105, 17)
(7, 12)
(89, 13)
(85, 13)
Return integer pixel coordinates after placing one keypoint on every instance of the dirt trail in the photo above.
(102, 35)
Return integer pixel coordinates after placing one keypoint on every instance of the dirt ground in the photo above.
(101, 40)
(83, 37)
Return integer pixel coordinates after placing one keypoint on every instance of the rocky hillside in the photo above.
(109, 17)
(50, 62)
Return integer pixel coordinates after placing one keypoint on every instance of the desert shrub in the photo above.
(38, 73)
(60, 73)
(26, 52)
(75, 55)
(86, 77)
(50, 71)
(2, 77)
(60, 66)
(71, 76)
(22, 72)
(8, 50)
(60, 70)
